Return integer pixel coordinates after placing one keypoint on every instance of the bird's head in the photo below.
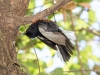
(32, 31)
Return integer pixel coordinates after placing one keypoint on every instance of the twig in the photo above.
(82, 70)
(28, 46)
(36, 57)
(76, 43)
(35, 53)
(91, 31)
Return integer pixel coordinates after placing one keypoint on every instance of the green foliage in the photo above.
(27, 57)
(82, 0)
(91, 16)
(57, 71)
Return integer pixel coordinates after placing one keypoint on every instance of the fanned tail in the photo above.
(64, 52)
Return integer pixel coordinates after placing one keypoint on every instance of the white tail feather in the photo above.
(70, 35)
(59, 54)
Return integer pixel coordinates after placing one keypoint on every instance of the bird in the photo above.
(49, 33)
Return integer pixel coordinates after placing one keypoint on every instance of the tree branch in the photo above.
(91, 31)
(45, 13)
(83, 70)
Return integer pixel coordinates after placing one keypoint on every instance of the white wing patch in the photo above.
(54, 36)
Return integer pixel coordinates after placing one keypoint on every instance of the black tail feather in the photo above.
(64, 52)
(69, 48)
(68, 43)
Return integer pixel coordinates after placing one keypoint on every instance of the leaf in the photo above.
(57, 71)
(84, 4)
(31, 4)
(92, 16)
(64, 15)
(80, 36)
(89, 36)
(75, 67)
(82, 0)
(95, 58)
(40, 45)
(71, 5)
(81, 24)
(85, 53)
(96, 67)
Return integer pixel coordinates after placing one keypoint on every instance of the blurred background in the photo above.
(81, 16)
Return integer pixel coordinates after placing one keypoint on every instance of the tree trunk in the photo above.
(8, 59)
(8, 33)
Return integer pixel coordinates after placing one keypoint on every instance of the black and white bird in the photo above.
(49, 33)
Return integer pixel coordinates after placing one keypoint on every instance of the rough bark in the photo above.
(8, 34)
(11, 17)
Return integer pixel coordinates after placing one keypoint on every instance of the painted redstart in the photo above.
(49, 33)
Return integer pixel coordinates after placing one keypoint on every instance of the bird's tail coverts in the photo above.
(70, 35)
